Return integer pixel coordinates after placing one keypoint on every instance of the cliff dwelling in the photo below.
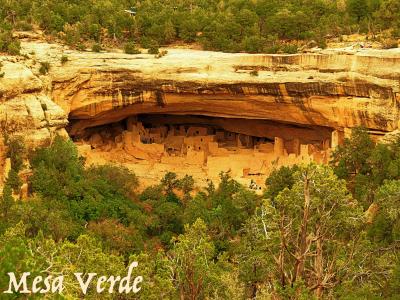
(203, 146)
(200, 113)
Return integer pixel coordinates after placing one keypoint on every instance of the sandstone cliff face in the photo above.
(328, 89)
(304, 96)
(25, 107)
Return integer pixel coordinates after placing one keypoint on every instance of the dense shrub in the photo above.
(254, 73)
(289, 49)
(44, 67)
(7, 43)
(130, 48)
(229, 26)
(64, 59)
(96, 47)
(153, 48)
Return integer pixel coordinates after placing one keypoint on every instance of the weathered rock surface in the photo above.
(306, 96)
(332, 88)
(25, 107)
(326, 89)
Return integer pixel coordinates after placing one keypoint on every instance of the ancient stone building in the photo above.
(177, 142)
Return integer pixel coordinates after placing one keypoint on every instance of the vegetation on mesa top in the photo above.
(231, 26)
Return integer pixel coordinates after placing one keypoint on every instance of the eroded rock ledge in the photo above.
(26, 108)
(328, 89)
(306, 99)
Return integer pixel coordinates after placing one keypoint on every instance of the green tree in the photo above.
(16, 256)
(84, 256)
(386, 227)
(8, 44)
(351, 159)
(192, 256)
(130, 48)
(56, 169)
(253, 252)
(14, 181)
(186, 184)
(120, 178)
(6, 201)
(223, 209)
(169, 32)
(157, 271)
(170, 182)
(280, 179)
(16, 151)
(307, 233)
(388, 14)
(357, 9)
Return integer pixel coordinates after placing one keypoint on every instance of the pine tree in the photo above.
(6, 201)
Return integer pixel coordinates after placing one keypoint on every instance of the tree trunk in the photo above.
(302, 243)
(319, 267)
(254, 284)
(282, 255)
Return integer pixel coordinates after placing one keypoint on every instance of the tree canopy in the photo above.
(252, 26)
(312, 234)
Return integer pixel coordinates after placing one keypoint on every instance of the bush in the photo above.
(7, 43)
(24, 26)
(289, 49)
(272, 49)
(14, 181)
(153, 48)
(254, 73)
(253, 44)
(72, 35)
(146, 42)
(80, 47)
(16, 151)
(396, 33)
(14, 48)
(64, 59)
(44, 67)
(57, 170)
(121, 179)
(96, 47)
(130, 48)
(322, 44)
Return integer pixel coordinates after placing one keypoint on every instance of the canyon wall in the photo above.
(328, 89)
(25, 106)
(303, 97)
(26, 109)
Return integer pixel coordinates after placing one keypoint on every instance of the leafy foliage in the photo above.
(130, 48)
(366, 165)
(8, 43)
(44, 67)
(307, 237)
(229, 26)
(96, 47)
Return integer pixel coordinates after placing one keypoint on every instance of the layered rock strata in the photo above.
(25, 106)
(315, 98)
(332, 90)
